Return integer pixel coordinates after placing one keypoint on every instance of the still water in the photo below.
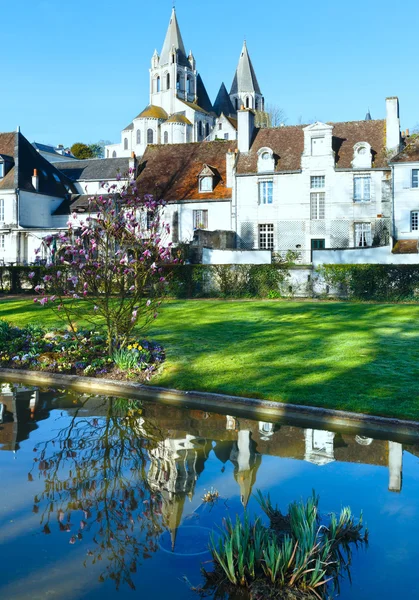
(102, 499)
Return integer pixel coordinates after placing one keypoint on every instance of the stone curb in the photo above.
(238, 405)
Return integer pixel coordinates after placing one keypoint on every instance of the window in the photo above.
(266, 237)
(200, 219)
(107, 153)
(220, 126)
(150, 136)
(138, 136)
(149, 219)
(125, 143)
(317, 181)
(2, 239)
(1, 170)
(114, 154)
(236, 104)
(265, 192)
(178, 82)
(362, 234)
(57, 179)
(165, 138)
(168, 81)
(226, 136)
(414, 220)
(206, 184)
(247, 102)
(415, 178)
(207, 130)
(200, 128)
(2, 211)
(317, 146)
(158, 84)
(317, 202)
(188, 86)
(362, 189)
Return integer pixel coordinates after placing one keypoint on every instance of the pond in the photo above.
(103, 499)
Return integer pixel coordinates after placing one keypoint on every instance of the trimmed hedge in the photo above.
(391, 283)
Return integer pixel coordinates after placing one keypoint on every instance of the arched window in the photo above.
(114, 154)
(247, 102)
(165, 138)
(150, 136)
(125, 143)
(236, 104)
(200, 128)
(178, 82)
(168, 81)
(188, 85)
(158, 84)
(138, 136)
(207, 130)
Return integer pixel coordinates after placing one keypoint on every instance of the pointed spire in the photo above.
(245, 77)
(223, 103)
(368, 116)
(174, 40)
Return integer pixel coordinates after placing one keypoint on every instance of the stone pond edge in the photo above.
(208, 401)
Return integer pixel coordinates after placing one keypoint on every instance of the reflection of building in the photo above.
(246, 463)
(319, 446)
(18, 415)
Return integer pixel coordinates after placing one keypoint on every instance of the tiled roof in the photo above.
(153, 112)
(232, 121)
(287, 144)
(26, 158)
(410, 153)
(94, 169)
(171, 171)
(179, 118)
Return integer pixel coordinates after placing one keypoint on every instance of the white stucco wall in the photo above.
(219, 217)
(353, 256)
(35, 210)
(236, 257)
(406, 199)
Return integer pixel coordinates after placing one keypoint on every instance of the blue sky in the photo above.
(78, 71)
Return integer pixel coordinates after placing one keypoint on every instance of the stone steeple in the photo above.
(173, 43)
(223, 103)
(245, 88)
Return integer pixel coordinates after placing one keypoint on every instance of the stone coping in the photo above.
(264, 410)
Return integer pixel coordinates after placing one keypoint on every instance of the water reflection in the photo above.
(115, 475)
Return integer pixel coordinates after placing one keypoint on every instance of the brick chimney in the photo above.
(132, 163)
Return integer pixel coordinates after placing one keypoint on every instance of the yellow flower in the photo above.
(135, 345)
(130, 347)
(140, 347)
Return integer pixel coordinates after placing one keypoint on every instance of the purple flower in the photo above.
(43, 301)
(31, 275)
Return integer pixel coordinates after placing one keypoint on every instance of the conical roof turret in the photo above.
(245, 77)
(174, 40)
(223, 103)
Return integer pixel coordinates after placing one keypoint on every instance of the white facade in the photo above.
(406, 200)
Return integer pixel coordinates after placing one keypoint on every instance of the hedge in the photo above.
(392, 283)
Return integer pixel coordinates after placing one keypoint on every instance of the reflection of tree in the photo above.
(95, 482)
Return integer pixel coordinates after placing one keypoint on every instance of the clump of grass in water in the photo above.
(296, 557)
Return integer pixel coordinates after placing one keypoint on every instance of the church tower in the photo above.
(173, 74)
(245, 90)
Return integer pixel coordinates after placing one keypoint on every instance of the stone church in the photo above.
(180, 109)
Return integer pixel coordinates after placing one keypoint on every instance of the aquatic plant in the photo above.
(297, 552)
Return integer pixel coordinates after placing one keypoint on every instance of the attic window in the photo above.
(266, 156)
(57, 179)
(206, 184)
(362, 150)
(1, 170)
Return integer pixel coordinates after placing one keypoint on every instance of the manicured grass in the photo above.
(358, 357)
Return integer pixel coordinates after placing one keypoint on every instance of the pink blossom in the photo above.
(31, 275)
(43, 301)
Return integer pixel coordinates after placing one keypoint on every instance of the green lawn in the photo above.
(358, 357)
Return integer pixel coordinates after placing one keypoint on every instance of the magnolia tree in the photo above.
(112, 265)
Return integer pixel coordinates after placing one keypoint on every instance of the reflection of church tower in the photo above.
(319, 446)
(395, 466)
(246, 463)
(174, 469)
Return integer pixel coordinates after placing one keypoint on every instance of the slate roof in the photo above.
(245, 77)
(173, 38)
(94, 169)
(409, 154)
(26, 158)
(203, 99)
(171, 171)
(287, 144)
(78, 203)
(223, 103)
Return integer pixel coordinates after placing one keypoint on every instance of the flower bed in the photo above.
(78, 352)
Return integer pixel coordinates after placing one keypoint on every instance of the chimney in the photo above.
(35, 180)
(132, 163)
(392, 124)
(230, 164)
(245, 127)
(407, 133)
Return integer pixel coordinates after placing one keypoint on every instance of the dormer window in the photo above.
(205, 184)
(266, 162)
(317, 146)
(207, 179)
(362, 156)
(1, 169)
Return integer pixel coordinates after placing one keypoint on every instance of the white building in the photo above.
(179, 109)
